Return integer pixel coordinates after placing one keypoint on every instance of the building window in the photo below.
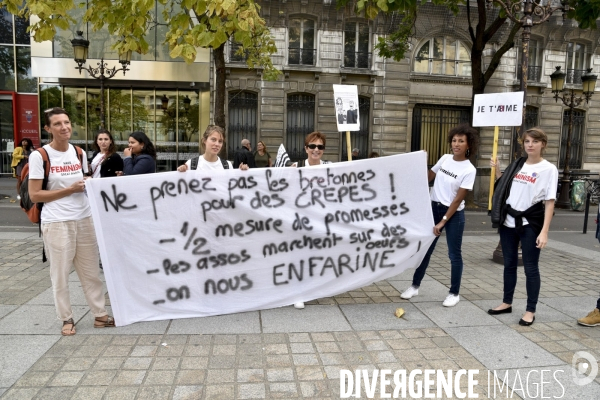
(534, 69)
(430, 128)
(577, 62)
(359, 140)
(576, 157)
(443, 56)
(300, 122)
(242, 110)
(234, 56)
(15, 51)
(356, 45)
(301, 45)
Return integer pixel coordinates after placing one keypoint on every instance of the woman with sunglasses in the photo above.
(454, 176)
(314, 145)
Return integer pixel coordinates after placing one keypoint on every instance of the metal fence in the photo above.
(300, 122)
(242, 110)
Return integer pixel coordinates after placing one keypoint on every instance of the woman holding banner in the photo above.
(455, 178)
(314, 145)
(522, 209)
(213, 140)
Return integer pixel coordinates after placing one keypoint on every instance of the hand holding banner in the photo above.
(193, 244)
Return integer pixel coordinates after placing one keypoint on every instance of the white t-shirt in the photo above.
(204, 165)
(65, 170)
(96, 165)
(533, 183)
(306, 164)
(450, 176)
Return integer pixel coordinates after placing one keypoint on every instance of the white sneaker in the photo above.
(410, 292)
(451, 300)
(18, 197)
(299, 305)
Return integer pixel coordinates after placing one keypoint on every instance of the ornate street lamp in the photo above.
(528, 13)
(569, 99)
(101, 72)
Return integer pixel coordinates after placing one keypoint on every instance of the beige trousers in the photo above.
(68, 244)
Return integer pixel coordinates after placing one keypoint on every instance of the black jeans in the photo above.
(454, 227)
(509, 239)
(598, 304)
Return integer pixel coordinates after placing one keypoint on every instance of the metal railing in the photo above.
(5, 161)
(357, 59)
(299, 56)
(236, 58)
(534, 73)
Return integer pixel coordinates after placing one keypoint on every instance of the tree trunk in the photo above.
(219, 55)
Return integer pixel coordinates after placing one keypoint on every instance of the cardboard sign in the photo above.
(498, 109)
(193, 244)
(346, 107)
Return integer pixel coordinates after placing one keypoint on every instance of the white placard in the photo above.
(194, 244)
(346, 107)
(498, 109)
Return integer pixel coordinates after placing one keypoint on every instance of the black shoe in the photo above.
(522, 322)
(496, 312)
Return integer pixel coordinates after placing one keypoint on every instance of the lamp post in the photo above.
(528, 13)
(569, 99)
(101, 72)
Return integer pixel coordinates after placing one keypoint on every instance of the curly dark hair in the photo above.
(467, 130)
(29, 144)
(145, 140)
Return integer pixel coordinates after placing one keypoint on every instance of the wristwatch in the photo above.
(445, 218)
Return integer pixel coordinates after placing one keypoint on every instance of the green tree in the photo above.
(190, 24)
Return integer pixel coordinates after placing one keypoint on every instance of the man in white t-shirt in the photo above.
(66, 218)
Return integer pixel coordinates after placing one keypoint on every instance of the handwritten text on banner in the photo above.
(194, 244)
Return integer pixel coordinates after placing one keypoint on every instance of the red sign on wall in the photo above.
(27, 123)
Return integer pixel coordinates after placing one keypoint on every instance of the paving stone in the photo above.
(251, 391)
(191, 392)
(219, 392)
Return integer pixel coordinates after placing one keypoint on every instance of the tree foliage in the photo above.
(191, 24)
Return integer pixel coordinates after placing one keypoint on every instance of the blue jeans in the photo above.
(509, 239)
(598, 304)
(454, 227)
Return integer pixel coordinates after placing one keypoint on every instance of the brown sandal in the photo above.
(108, 323)
(66, 331)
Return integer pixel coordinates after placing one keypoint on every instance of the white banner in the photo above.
(498, 109)
(194, 244)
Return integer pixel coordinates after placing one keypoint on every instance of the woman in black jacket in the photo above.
(522, 209)
(140, 156)
(105, 160)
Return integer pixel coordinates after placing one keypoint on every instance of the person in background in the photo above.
(19, 160)
(454, 176)
(262, 158)
(373, 154)
(244, 155)
(105, 159)
(355, 153)
(66, 222)
(213, 140)
(140, 156)
(522, 210)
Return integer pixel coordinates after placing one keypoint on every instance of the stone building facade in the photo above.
(405, 105)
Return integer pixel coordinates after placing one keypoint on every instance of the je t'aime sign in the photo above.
(498, 109)
(194, 244)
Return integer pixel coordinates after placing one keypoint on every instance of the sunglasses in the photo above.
(313, 146)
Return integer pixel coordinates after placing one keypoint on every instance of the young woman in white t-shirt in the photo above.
(533, 191)
(212, 141)
(454, 177)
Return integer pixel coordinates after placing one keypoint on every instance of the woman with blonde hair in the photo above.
(522, 209)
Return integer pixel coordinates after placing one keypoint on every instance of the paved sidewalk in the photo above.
(297, 354)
